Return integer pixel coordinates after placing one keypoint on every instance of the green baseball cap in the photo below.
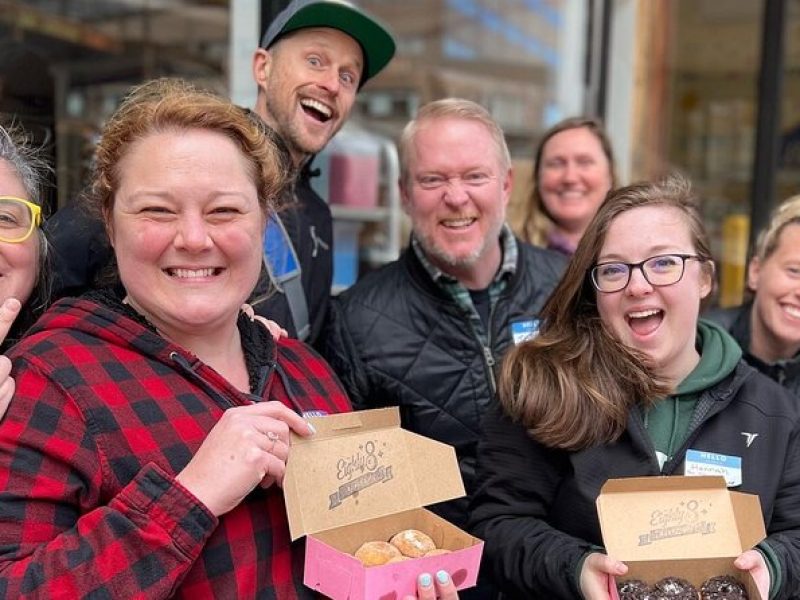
(376, 42)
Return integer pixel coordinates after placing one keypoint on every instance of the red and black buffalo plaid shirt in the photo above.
(105, 414)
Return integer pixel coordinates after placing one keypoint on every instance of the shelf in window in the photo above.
(351, 213)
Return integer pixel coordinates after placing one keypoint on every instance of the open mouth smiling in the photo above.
(646, 321)
(316, 110)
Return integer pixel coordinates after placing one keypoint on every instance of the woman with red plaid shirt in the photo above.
(144, 451)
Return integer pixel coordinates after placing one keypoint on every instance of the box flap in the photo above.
(362, 465)
(664, 518)
(751, 530)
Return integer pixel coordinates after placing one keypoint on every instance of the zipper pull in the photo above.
(490, 362)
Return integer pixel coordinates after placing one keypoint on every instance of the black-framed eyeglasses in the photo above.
(659, 271)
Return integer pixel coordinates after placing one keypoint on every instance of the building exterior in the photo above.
(706, 87)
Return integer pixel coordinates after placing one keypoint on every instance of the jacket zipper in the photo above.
(637, 416)
(191, 369)
(488, 357)
(678, 457)
(299, 408)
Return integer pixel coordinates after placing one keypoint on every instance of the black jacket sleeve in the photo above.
(783, 532)
(519, 481)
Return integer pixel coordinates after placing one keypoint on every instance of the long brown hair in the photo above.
(537, 221)
(574, 384)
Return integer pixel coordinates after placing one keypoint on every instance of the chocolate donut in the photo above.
(632, 589)
(674, 588)
(723, 587)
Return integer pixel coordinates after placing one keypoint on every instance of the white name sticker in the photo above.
(709, 463)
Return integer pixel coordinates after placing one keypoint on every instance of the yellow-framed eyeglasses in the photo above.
(18, 219)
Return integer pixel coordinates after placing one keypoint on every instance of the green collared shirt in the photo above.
(460, 294)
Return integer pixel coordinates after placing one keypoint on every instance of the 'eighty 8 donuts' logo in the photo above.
(686, 518)
(359, 471)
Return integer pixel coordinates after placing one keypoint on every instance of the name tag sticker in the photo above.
(709, 463)
(522, 331)
(314, 413)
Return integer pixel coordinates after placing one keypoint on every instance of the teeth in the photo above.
(457, 222)
(643, 314)
(191, 273)
(792, 311)
(316, 105)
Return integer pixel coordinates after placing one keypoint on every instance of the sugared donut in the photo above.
(372, 554)
(723, 587)
(412, 543)
(398, 558)
(674, 588)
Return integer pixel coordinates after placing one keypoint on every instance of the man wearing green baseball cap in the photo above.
(313, 59)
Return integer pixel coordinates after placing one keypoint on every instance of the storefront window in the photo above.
(698, 115)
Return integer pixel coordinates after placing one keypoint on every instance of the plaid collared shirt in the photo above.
(460, 294)
(105, 414)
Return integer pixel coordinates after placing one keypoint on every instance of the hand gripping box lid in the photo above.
(689, 527)
(362, 478)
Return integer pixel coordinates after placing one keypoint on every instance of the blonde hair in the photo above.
(787, 213)
(450, 108)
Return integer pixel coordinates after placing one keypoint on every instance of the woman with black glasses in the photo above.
(624, 380)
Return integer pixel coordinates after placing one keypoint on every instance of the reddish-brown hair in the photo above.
(176, 105)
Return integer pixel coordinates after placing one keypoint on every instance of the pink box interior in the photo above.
(339, 575)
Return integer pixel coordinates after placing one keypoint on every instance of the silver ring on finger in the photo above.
(274, 438)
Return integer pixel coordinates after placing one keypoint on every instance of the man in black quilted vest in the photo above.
(425, 332)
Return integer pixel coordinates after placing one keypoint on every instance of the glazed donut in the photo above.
(372, 554)
(723, 587)
(632, 589)
(674, 588)
(398, 558)
(412, 543)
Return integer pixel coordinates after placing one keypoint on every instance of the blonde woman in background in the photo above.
(767, 326)
(573, 170)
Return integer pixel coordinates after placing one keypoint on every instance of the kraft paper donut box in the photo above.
(687, 527)
(361, 478)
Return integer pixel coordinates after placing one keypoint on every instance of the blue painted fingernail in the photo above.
(425, 580)
(442, 576)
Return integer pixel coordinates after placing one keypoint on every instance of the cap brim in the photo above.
(375, 41)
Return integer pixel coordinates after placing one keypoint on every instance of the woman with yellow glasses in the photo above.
(23, 250)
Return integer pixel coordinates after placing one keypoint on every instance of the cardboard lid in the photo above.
(362, 465)
(664, 518)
